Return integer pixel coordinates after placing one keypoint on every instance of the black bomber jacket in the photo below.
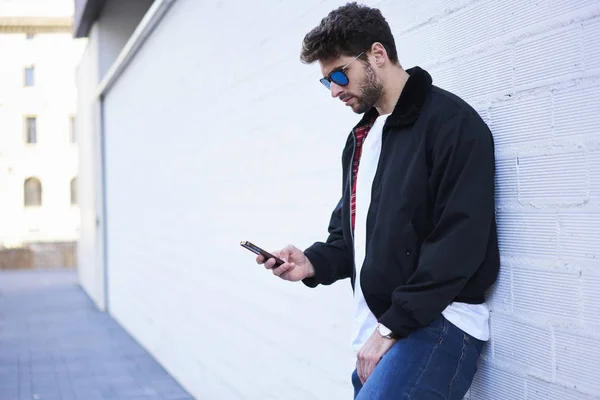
(431, 227)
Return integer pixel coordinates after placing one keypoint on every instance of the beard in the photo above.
(371, 89)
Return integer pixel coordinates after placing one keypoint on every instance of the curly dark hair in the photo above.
(348, 30)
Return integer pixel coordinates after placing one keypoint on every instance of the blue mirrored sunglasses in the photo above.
(338, 76)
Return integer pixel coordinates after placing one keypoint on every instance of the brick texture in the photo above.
(496, 384)
(533, 350)
(209, 142)
(536, 60)
(554, 294)
(538, 389)
(591, 297)
(519, 121)
(553, 179)
(580, 105)
(577, 361)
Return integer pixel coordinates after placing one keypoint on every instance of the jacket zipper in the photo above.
(350, 187)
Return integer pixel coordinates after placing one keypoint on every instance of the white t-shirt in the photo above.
(471, 318)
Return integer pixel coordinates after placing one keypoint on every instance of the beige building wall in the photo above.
(50, 99)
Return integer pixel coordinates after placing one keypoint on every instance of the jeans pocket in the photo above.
(437, 324)
(437, 329)
(474, 342)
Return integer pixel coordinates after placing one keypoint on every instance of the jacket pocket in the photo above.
(407, 249)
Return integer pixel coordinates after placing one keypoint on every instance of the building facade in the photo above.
(208, 130)
(38, 140)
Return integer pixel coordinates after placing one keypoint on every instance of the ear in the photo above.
(379, 54)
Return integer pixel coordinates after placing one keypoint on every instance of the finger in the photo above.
(367, 372)
(370, 367)
(283, 268)
(361, 375)
(270, 263)
(360, 369)
(365, 367)
(286, 252)
(286, 275)
(260, 259)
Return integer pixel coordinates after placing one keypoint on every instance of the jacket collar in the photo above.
(410, 103)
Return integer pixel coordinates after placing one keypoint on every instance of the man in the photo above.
(415, 229)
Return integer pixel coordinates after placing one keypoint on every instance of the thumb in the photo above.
(286, 252)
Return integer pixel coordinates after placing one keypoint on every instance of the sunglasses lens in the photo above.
(339, 78)
(326, 83)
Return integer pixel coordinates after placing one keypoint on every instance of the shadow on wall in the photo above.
(39, 255)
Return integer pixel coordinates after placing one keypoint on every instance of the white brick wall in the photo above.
(209, 134)
(531, 69)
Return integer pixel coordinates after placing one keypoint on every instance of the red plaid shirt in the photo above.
(361, 135)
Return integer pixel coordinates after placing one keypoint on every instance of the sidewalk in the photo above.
(55, 345)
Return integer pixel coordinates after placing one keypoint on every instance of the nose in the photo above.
(335, 90)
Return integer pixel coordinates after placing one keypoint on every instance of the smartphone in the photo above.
(257, 250)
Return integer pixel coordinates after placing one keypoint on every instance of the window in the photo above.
(74, 191)
(30, 36)
(33, 192)
(31, 130)
(29, 76)
(72, 137)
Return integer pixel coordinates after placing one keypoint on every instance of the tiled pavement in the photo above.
(55, 345)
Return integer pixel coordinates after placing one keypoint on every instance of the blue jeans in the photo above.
(434, 362)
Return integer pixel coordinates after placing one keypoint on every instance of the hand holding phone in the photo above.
(257, 250)
(296, 268)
